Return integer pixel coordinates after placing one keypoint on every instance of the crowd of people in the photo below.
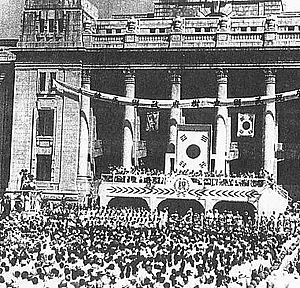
(155, 176)
(66, 245)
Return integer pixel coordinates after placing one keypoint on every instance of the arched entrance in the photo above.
(181, 205)
(236, 206)
(128, 202)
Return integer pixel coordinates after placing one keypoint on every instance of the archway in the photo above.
(236, 206)
(181, 205)
(128, 202)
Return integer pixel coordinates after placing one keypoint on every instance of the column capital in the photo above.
(175, 76)
(270, 76)
(86, 76)
(2, 76)
(129, 75)
(222, 76)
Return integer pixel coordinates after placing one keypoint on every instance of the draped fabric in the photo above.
(75, 92)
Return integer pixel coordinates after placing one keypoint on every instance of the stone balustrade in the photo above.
(151, 33)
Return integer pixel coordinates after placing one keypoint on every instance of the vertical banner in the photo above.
(152, 121)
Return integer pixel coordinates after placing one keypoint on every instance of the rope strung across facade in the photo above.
(62, 88)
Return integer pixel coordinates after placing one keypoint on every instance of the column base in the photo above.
(83, 184)
(13, 185)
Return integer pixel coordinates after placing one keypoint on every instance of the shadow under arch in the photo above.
(181, 205)
(134, 202)
(236, 206)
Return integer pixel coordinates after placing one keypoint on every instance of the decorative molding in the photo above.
(6, 56)
(175, 76)
(270, 76)
(222, 76)
(129, 75)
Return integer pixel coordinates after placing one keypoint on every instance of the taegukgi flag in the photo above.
(246, 123)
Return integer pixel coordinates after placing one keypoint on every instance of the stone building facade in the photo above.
(6, 97)
(216, 49)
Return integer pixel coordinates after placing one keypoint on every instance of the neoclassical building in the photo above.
(184, 53)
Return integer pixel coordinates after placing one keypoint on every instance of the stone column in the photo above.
(129, 115)
(83, 184)
(221, 123)
(270, 135)
(175, 113)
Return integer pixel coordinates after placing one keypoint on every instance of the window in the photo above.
(52, 77)
(43, 172)
(162, 30)
(198, 30)
(60, 24)
(46, 81)
(51, 25)
(42, 81)
(253, 29)
(118, 31)
(42, 25)
(152, 30)
(45, 122)
(244, 29)
(108, 31)
(207, 29)
(291, 28)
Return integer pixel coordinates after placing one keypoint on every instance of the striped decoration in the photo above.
(194, 193)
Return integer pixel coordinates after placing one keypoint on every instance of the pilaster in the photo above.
(83, 177)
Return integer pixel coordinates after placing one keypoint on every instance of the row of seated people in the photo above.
(64, 246)
(153, 176)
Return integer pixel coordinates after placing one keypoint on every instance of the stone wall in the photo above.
(23, 110)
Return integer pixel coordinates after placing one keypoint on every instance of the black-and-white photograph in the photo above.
(149, 143)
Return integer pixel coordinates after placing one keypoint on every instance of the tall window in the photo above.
(51, 25)
(42, 81)
(42, 25)
(46, 81)
(43, 172)
(45, 123)
(60, 24)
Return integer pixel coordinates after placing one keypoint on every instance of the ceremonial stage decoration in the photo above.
(208, 191)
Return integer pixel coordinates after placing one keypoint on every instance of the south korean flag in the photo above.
(192, 150)
(246, 122)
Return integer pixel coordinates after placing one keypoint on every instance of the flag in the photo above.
(152, 121)
(245, 125)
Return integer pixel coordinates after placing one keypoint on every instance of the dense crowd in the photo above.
(68, 246)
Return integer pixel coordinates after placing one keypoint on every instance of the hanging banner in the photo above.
(152, 121)
(141, 149)
(76, 92)
(245, 125)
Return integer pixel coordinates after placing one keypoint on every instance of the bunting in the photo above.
(76, 92)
